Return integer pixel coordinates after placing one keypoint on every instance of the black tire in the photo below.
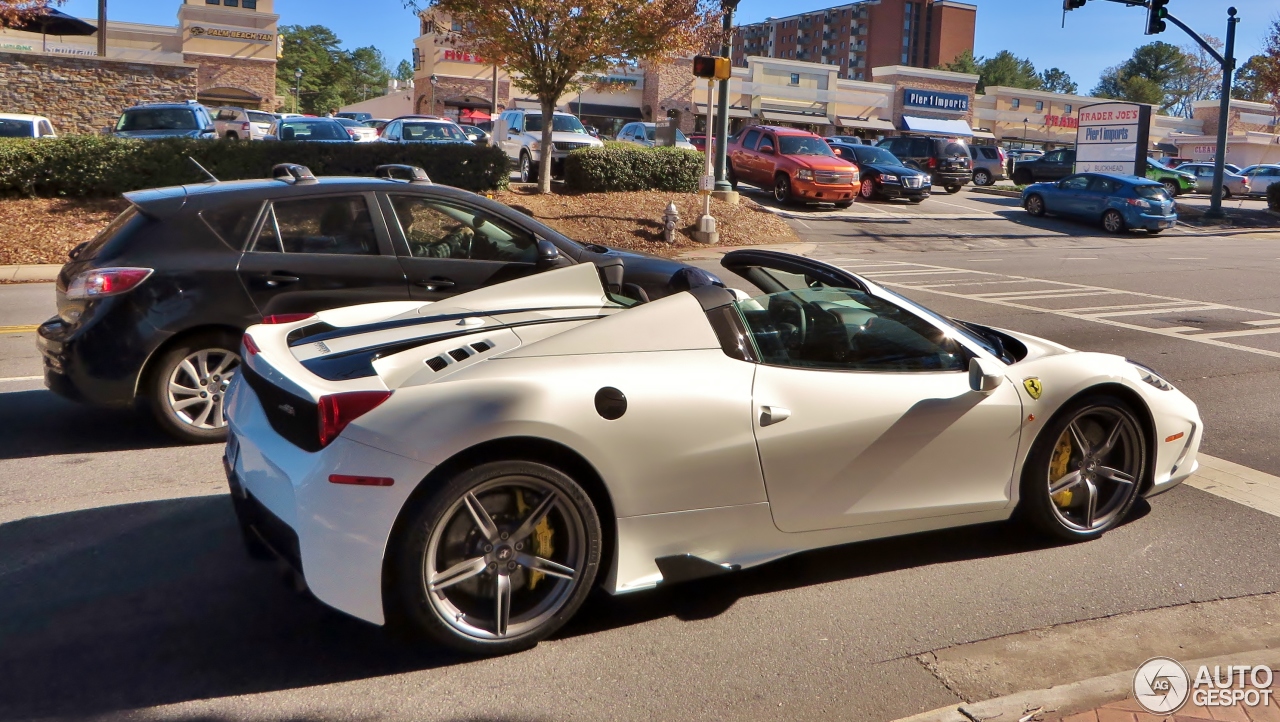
(528, 170)
(1155, 231)
(435, 519)
(916, 201)
(1226, 193)
(1054, 518)
(185, 423)
(982, 178)
(232, 136)
(782, 189)
(844, 204)
(1023, 178)
(1034, 205)
(730, 176)
(1114, 222)
(953, 189)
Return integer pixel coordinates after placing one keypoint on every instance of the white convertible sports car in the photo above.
(473, 467)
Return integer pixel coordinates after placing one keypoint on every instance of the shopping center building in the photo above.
(220, 52)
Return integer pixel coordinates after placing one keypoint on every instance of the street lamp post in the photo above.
(1024, 131)
(722, 108)
(434, 80)
(297, 89)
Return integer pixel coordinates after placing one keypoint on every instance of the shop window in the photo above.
(231, 3)
(795, 78)
(1066, 109)
(1039, 106)
(1015, 104)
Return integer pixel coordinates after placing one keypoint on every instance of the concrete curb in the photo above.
(996, 192)
(1068, 699)
(29, 274)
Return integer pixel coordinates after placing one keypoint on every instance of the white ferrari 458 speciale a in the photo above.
(472, 468)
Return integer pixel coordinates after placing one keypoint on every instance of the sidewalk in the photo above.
(1130, 711)
(29, 274)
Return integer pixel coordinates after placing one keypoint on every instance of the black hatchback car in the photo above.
(154, 307)
(946, 160)
(883, 175)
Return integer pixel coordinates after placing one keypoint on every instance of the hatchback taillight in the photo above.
(336, 411)
(101, 282)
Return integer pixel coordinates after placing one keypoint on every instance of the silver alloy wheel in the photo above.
(505, 558)
(526, 169)
(1172, 187)
(1035, 206)
(982, 178)
(198, 387)
(1113, 221)
(1095, 468)
(868, 189)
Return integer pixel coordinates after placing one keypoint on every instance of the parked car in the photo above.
(845, 139)
(313, 130)
(479, 136)
(358, 131)
(646, 134)
(698, 141)
(166, 120)
(798, 166)
(989, 162)
(1229, 167)
(1176, 182)
(520, 135)
(883, 175)
(1261, 177)
(946, 160)
(1119, 202)
(1052, 166)
(1233, 184)
(423, 129)
(241, 124)
(377, 124)
(1021, 154)
(358, 117)
(153, 307)
(16, 125)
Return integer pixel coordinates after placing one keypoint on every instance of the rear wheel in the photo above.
(189, 385)
(1022, 178)
(953, 189)
(1226, 193)
(232, 136)
(499, 558)
(1084, 472)
(1113, 222)
(782, 188)
(1172, 187)
(981, 177)
(1034, 205)
(731, 177)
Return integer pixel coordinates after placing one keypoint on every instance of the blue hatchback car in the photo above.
(1120, 202)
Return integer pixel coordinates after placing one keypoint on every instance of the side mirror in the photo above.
(548, 253)
(984, 376)
(766, 148)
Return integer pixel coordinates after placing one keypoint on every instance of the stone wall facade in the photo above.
(86, 94)
(668, 92)
(453, 88)
(253, 77)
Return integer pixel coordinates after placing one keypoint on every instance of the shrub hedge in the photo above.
(630, 167)
(1273, 196)
(107, 166)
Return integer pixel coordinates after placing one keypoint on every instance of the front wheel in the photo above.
(782, 188)
(499, 558)
(1113, 222)
(981, 178)
(1085, 469)
(868, 189)
(528, 174)
(1172, 187)
(1034, 205)
(189, 386)
(844, 204)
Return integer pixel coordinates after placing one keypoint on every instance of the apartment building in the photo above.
(862, 35)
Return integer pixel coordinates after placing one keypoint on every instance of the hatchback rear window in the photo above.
(123, 226)
(1155, 193)
(233, 222)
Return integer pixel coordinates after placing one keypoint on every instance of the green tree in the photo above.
(1007, 70)
(1248, 82)
(1157, 74)
(404, 71)
(1259, 78)
(1200, 80)
(1056, 80)
(317, 52)
(369, 74)
(964, 63)
(1115, 83)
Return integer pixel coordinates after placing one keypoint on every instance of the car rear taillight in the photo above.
(279, 318)
(245, 127)
(933, 162)
(338, 410)
(106, 282)
(250, 348)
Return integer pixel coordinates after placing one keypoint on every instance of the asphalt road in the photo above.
(124, 593)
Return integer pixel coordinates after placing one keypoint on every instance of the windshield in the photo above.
(312, 130)
(559, 124)
(1155, 193)
(258, 116)
(17, 129)
(158, 119)
(869, 154)
(803, 145)
(432, 131)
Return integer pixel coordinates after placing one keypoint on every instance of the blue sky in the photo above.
(1099, 35)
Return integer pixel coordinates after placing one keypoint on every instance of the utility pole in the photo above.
(102, 28)
(721, 140)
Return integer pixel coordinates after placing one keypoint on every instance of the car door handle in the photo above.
(770, 415)
(280, 278)
(432, 284)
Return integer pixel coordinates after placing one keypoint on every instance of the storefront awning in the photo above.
(701, 109)
(984, 134)
(867, 123)
(913, 124)
(781, 117)
(600, 110)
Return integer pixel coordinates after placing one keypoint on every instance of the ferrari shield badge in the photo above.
(1033, 386)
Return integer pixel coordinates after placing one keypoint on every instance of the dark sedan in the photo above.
(153, 308)
(883, 175)
(314, 130)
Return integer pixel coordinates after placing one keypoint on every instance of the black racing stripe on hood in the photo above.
(348, 331)
(358, 363)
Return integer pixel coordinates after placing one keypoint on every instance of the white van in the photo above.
(519, 133)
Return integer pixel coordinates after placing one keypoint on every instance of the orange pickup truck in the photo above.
(798, 166)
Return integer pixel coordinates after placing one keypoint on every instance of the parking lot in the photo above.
(126, 592)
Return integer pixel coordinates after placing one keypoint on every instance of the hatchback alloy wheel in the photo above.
(1113, 221)
(189, 384)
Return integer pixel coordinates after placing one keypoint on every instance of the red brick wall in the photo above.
(952, 31)
(257, 77)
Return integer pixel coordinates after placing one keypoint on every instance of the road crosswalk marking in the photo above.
(1229, 480)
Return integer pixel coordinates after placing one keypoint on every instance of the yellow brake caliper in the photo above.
(1058, 468)
(542, 546)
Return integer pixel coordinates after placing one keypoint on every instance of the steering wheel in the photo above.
(782, 310)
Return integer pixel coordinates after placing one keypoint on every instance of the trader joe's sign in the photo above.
(1112, 138)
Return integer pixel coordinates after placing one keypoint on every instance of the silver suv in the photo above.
(519, 133)
(988, 164)
(241, 124)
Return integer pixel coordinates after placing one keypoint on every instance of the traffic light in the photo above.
(711, 67)
(1068, 5)
(1156, 13)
